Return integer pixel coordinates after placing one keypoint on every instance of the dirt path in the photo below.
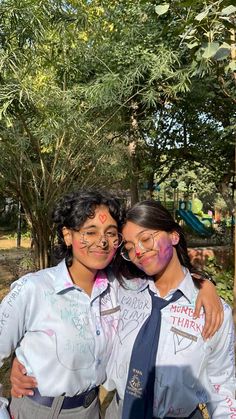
(10, 257)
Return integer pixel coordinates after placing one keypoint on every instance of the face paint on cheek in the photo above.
(79, 244)
(112, 254)
(164, 249)
(102, 218)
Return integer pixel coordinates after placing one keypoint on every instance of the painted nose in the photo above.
(103, 242)
(137, 252)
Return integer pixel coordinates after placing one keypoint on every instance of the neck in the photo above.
(170, 278)
(83, 276)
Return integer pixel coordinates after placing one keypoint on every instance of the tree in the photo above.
(47, 146)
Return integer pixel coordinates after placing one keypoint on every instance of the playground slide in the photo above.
(192, 221)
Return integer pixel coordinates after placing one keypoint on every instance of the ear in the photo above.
(174, 238)
(67, 236)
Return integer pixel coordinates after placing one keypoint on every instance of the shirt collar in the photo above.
(186, 286)
(135, 284)
(100, 284)
(63, 281)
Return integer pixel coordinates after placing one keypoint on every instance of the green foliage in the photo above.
(224, 278)
(81, 81)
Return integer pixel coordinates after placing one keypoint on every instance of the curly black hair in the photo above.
(73, 209)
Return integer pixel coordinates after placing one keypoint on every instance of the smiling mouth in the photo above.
(99, 252)
(145, 260)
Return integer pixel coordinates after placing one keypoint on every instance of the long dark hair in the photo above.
(74, 208)
(151, 214)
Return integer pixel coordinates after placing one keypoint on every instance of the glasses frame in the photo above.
(140, 245)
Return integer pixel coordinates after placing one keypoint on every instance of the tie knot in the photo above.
(159, 303)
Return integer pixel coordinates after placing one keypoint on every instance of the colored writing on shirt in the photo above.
(3, 320)
(105, 300)
(134, 311)
(50, 297)
(217, 387)
(10, 300)
(72, 312)
(231, 346)
(183, 321)
(184, 310)
(187, 324)
(230, 404)
(179, 411)
(81, 348)
(136, 303)
(134, 315)
(15, 292)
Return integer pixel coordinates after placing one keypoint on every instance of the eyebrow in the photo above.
(140, 232)
(95, 226)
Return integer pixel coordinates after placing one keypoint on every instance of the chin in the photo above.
(152, 271)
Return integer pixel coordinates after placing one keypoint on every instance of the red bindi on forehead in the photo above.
(102, 217)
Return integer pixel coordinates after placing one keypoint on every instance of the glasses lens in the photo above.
(125, 253)
(117, 241)
(146, 241)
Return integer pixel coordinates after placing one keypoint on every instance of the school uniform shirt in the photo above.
(62, 335)
(189, 370)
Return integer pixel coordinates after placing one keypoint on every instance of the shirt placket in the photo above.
(98, 336)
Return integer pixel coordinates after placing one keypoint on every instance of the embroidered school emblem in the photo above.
(134, 386)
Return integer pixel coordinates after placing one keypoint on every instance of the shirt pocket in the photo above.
(186, 353)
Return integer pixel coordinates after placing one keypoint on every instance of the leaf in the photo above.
(223, 52)
(231, 67)
(192, 45)
(228, 10)
(202, 15)
(162, 9)
(210, 50)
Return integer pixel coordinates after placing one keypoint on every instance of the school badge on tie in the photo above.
(134, 385)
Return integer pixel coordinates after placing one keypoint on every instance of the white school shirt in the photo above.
(62, 335)
(189, 370)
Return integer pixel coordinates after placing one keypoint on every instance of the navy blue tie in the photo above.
(139, 392)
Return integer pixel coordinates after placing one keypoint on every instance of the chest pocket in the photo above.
(185, 353)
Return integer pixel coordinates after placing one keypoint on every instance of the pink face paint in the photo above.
(67, 284)
(78, 245)
(102, 218)
(101, 279)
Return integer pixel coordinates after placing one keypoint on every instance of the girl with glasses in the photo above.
(160, 366)
(85, 244)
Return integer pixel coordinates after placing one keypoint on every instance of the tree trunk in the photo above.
(42, 246)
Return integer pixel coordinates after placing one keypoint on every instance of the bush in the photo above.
(224, 279)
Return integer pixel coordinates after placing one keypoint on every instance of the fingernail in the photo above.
(24, 371)
(30, 393)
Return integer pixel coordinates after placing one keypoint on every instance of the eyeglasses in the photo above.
(145, 243)
(109, 239)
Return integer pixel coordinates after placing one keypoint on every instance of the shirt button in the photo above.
(98, 332)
